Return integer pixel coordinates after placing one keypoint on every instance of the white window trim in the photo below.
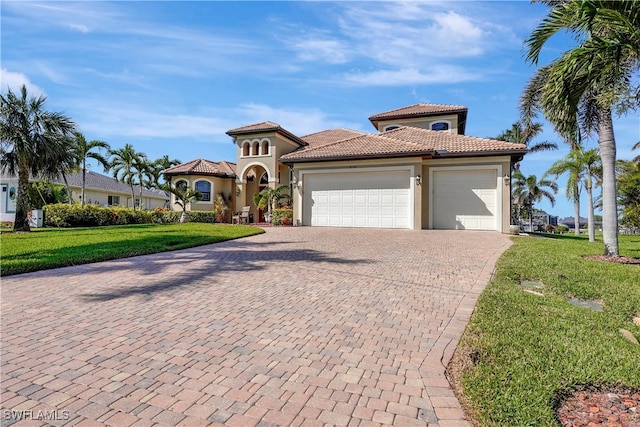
(448, 122)
(251, 143)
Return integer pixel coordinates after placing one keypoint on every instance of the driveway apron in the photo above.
(297, 326)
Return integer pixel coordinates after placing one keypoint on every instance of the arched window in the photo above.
(391, 127)
(255, 149)
(245, 149)
(440, 126)
(265, 148)
(205, 188)
(264, 179)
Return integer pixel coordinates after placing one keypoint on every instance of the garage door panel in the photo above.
(359, 199)
(465, 199)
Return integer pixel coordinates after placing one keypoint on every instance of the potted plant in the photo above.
(269, 198)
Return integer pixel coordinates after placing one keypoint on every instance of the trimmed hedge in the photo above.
(65, 216)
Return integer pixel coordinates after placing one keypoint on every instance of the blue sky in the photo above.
(172, 77)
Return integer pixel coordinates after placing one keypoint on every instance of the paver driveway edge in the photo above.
(447, 407)
(305, 326)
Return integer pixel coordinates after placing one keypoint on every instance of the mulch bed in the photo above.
(618, 259)
(612, 407)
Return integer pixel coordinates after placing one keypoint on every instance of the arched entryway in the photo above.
(255, 179)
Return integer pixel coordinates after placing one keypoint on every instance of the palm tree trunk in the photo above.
(133, 196)
(607, 144)
(21, 222)
(84, 177)
(591, 225)
(576, 209)
(66, 184)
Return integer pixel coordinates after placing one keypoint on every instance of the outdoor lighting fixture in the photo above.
(418, 180)
(507, 179)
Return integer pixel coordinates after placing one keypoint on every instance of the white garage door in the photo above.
(465, 199)
(357, 199)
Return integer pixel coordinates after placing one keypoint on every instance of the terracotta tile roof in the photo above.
(329, 136)
(419, 110)
(265, 127)
(405, 141)
(256, 127)
(204, 167)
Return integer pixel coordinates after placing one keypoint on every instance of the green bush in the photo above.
(560, 228)
(278, 214)
(64, 216)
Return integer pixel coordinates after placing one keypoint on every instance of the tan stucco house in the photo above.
(418, 171)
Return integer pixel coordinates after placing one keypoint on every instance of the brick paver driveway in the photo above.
(298, 326)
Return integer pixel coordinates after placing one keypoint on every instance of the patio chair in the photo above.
(241, 217)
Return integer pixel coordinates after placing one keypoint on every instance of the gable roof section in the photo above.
(330, 136)
(423, 110)
(204, 167)
(405, 141)
(263, 127)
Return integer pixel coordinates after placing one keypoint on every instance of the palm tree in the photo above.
(523, 133)
(87, 150)
(601, 67)
(142, 168)
(581, 167)
(184, 196)
(269, 197)
(33, 141)
(629, 191)
(123, 162)
(155, 173)
(528, 190)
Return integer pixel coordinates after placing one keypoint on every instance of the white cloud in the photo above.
(326, 50)
(299, 121)
(79, 27)
(15, 81)
(407, 76)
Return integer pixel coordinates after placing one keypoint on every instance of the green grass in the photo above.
(50, 248)
(525, 350)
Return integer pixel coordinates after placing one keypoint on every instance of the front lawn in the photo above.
(50, 248)
(520, 350)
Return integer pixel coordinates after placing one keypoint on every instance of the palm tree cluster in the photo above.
(37, 143)
(579, 91)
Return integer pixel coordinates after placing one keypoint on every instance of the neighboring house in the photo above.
(583, 222)
(545, 219)
(419, 171)
(207, 177)
(99, 190)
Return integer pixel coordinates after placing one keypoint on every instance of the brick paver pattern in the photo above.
(298, 326)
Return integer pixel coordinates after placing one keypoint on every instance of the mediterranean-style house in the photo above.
(418, 171)
(99, 190)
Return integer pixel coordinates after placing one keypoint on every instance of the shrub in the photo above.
(549, 228)
(278, 214)
(63, 216)
(560, 228)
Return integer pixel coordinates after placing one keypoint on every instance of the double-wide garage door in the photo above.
(357, 199)
(465, 199)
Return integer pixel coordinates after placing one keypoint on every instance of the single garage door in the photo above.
(465, 199)
(357, 199)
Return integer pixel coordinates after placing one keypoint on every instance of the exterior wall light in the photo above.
(418, 180)
(507, 179)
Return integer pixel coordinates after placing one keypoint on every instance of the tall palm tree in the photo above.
(522, 132)
(581, 167)
(155, 171)
(629, 192)
(601, 65)
(33, 141)
(89, 150)
(528, 190)
(123, 164)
